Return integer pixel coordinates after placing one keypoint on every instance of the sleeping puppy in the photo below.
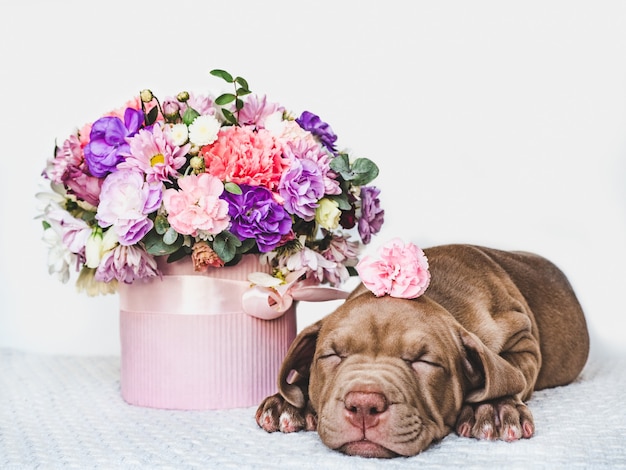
(386, 377)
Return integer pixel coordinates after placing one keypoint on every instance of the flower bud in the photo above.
(197, 163)
(327, 214)
(146, 96)
(183, 96)
(93, 248)
(171, 111)
(97, 245)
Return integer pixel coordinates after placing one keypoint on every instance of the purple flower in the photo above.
(125, 202)
(312, 123)
(302, 186)
(255, 214)
(107, 141)
(372, 216)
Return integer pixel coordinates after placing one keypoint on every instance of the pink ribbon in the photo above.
(199, 295)
(269, 303)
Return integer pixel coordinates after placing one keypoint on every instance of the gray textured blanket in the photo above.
(66, 412)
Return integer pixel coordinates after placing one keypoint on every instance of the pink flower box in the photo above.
(187, 344)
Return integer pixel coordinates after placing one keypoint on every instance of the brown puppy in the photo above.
(383, 377)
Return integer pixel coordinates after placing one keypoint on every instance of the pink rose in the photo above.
(401, 271)
(197, 206)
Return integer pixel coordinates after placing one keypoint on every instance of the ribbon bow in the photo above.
(270, 301)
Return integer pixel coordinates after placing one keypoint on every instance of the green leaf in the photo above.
(232, 188)
(161, 224)
(242, 92)
(246, 245)
(155, 245)
(238, 104)
(341, 164)
(152, 116)
(223, 74)
(179, 254)
(342, 201)
(190, 115)
(170, 237)
(364, 170)
(243, 83)
(225, 244)
(230, 117)
(45, 224)
(225, 99)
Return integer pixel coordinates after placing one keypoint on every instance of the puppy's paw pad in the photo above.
(486, 432)
(289, 423)
(276, 414)
(511, 433)
(506, 419)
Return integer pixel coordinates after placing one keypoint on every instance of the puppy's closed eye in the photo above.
(331, 358)
(423, 363)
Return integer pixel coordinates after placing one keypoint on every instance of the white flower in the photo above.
(264, 279)
(203, 130)
(179, 134)
(275, 124)
(59, 257)
(98, 245)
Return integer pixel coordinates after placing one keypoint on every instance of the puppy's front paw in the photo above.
(506, 419)
(276, 414)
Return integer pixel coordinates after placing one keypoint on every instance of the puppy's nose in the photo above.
(363, 409)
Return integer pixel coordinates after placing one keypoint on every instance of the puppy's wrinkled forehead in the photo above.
(369, 325)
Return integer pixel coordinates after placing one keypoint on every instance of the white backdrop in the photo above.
(498, 123)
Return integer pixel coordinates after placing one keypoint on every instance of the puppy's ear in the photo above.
(293, 379)
(487, 374)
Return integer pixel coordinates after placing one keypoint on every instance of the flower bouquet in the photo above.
(206, 181)
(210, 179)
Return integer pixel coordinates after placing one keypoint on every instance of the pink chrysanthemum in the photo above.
(70, 154)
(125, 264)
(244, 156)
(256, 109)
(155, 155)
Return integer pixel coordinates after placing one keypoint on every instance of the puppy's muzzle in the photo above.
(363, 410)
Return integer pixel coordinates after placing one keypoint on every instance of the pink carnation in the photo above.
(244, 156)
(401, 271)
(197, 206)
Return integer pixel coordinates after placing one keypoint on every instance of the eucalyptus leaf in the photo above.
(246, 245)
(341, 164)
(179, 254)
(170, 237)
(223, 74)
(225, 245)
(161, 224)
(364, 170)
(225, 99)
(342, 201)
(155, 245)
